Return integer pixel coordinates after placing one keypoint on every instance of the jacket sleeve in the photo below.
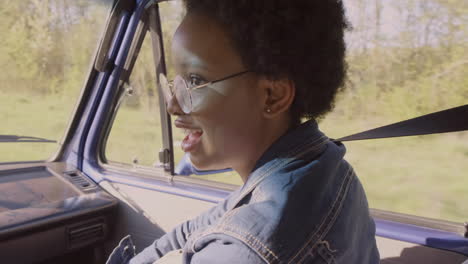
(177, 238)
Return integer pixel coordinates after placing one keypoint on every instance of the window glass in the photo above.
(405, 58)
(46, 50)
(136, 135)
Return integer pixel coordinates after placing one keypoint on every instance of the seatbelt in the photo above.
(450, 120)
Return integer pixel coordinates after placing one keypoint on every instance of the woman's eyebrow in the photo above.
(192, 60)
(186, 65)
(197, 64)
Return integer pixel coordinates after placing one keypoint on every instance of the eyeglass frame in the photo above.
(170, 84)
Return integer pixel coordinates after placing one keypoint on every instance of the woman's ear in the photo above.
(278, 96)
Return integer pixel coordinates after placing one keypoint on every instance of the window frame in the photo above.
(148, 27)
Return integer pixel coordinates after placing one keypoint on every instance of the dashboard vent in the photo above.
(80, 180)
(86, 233)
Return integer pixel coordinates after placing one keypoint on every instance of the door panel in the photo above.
(399, 252)
(147, 214)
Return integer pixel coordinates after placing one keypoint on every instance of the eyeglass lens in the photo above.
(179, 89)
(182, 94)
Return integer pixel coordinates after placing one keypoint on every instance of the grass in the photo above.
(26, 115)
(423, 175)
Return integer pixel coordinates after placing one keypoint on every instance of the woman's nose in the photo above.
(173, 107)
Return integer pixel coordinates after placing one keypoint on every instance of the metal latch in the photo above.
(164, 156)
(466, 229)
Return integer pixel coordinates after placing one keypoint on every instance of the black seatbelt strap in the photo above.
(450, 120)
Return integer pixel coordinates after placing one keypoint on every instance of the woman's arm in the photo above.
(177, 238)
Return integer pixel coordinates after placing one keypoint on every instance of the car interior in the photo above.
(77, 205)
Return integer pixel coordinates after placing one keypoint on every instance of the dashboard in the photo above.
(50, 210)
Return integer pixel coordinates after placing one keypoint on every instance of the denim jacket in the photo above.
(301, 204)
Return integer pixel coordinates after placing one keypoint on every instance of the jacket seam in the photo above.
(249, 237)
(239, 236)
(331, 216)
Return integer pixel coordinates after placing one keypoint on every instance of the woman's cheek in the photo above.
(217, 139)
(206, 99)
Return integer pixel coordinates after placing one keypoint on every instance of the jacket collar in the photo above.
(301, 140)
(292, 139)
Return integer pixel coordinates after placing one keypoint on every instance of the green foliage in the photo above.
(405, 82)
(422, 67)
(47, 46)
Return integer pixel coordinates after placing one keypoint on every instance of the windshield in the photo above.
(46, 50)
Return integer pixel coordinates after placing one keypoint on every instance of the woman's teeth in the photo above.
(188, 131)
(191, 140)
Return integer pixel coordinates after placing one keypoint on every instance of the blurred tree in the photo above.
(405, 57)
(47, 45)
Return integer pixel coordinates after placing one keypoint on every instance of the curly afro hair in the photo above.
(302, 40)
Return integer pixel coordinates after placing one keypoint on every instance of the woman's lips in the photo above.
(193, 134)
(191, 140)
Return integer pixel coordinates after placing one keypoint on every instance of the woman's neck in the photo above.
(271, 131)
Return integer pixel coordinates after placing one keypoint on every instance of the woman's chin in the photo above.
(203, 163)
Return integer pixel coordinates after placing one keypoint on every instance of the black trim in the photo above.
(159, 55)
(133, 53)
(100, 92)
(79, 110)
(103, 62)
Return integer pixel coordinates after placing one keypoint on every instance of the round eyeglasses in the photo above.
(183, 91)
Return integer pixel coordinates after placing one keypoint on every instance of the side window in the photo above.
(135, 136)
(405, 58)
(46, 50)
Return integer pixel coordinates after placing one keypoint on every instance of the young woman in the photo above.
(248, 72)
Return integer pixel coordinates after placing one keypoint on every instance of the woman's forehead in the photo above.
(201, 42)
